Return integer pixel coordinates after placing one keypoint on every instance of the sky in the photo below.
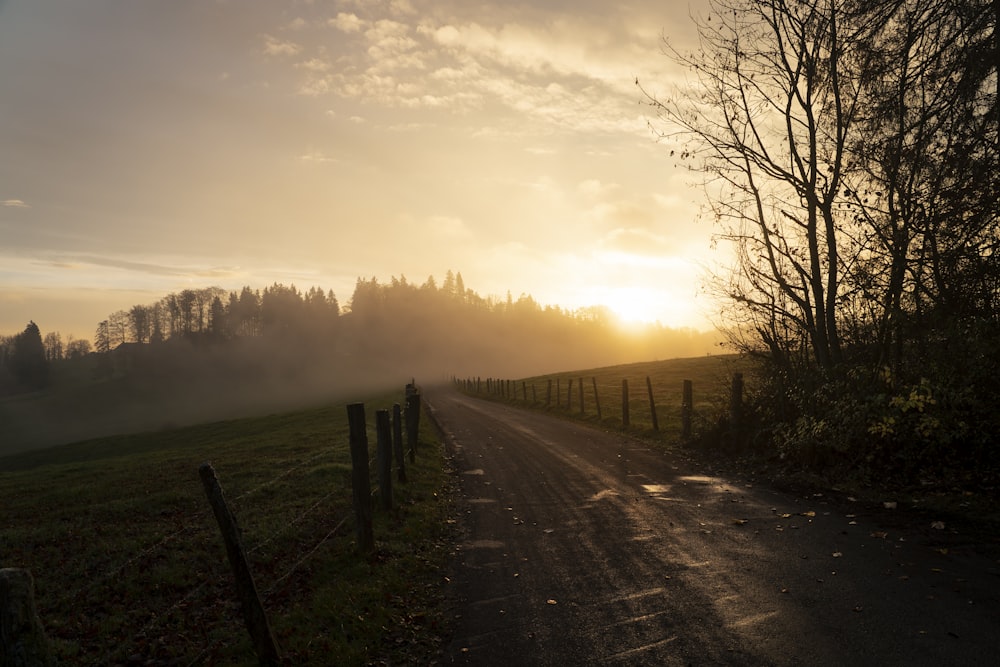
(148, 146)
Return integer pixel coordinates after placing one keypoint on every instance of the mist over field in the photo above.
(295, 351)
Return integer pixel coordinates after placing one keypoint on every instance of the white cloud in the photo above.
(402, 8)
(276, 47)
(317, 157)
(314, 65)
(348, 22)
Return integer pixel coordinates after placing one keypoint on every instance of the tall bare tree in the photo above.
(849, 154)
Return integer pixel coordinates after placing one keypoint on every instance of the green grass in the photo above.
(129, 563)
(711, 377)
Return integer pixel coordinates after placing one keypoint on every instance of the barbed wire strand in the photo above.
(152, 623)
(191, 523)
(306, 557)
(289, 524)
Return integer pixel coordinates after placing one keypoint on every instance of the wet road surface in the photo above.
(580, 547)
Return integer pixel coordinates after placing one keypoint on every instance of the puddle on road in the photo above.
(701, 479)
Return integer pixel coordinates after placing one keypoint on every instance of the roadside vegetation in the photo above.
(130, 568)
(751, 449)
(849, 154)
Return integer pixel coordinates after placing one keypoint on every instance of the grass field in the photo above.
(711, 377)
(130, 568)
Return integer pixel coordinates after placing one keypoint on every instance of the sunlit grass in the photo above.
(129, 564)
(711, 377)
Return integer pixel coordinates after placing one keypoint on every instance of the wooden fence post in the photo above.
(524, 390)
(360, 481)
(22, 640)
(397, 441)
(569, 394)
(625, 419)
(383, 457)
(736, 402)
(534, 395)
(412, 417)
(579, 388)
(253, 611)
(597, 399)
(687, 407)
(652, 404)
(558, 394)
(548, 394)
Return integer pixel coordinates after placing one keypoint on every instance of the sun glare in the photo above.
(634, 306)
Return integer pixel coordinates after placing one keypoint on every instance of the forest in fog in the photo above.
(210, 353)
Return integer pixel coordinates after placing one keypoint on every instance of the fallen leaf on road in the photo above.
(938, 525)
(551, 601)
(837, 554)
(858, 608)
(879, 534)
(739, 522)
(549, 531)
(809, 513)
(889, 505)
(786, 516)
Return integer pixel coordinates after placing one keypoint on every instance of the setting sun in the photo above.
(635, 305)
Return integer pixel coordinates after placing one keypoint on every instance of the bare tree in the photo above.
(849, 153)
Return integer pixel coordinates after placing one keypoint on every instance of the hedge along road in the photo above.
(581, 547)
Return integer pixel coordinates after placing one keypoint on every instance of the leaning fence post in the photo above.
(625, 419)
(652, 404)
(360, 481)
(383, 457)
(597, 399)
(687, 406)
(253, 611)
(22, 639)
(397, 440)
(569, 394)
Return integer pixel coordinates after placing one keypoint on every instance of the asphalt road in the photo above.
(580, 547)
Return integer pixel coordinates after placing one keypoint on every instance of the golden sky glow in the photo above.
(153, 146)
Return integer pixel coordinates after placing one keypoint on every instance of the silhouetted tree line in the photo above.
(398, 322)
(212, 314)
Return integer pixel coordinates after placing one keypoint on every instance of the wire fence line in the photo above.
(172, 589)
(191, 523)
(195, 523)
